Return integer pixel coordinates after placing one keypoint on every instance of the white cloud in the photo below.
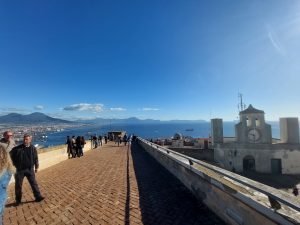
(117, 109)
(150, 109)
(38, 107)
(14, 110)
(84, 107)
(275, 41)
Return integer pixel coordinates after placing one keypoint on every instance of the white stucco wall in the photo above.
(290, 160)
(231, 156)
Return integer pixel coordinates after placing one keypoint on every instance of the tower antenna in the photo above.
(241, 105)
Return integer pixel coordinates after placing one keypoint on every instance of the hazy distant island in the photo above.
(40, 118)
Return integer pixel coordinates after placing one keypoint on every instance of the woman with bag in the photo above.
(6, 171)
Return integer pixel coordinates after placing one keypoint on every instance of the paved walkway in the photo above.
(112, 185)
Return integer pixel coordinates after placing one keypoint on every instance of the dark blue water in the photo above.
(154, 131)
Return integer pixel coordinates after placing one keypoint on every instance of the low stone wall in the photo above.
(53, 155)
(197, 153)
(56, 154)
(236, 199)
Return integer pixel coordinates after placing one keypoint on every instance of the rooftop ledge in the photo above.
(275, 204)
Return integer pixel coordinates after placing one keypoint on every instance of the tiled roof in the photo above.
(251, 109)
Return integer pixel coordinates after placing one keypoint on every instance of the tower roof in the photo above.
(251, 109)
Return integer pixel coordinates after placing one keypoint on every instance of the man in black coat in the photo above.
(25, 159)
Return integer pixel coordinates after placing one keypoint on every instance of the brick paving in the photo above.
(110, 185)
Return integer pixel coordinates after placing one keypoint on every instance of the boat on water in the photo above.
(189, 129)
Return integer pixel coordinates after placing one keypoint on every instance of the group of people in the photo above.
(75, 146)
(125, 139)
(118, 139)
(22, 161)
(98, 141)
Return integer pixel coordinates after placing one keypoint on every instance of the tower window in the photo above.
(248, 122)
(257, 122)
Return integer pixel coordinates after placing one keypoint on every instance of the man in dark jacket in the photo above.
(25, 159)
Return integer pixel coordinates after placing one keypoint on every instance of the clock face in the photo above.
(253, 135)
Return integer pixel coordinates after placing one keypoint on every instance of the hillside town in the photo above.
(39, 132)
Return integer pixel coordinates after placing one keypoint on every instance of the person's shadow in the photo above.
(15, 204)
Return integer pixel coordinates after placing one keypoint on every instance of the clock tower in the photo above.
(252, 127)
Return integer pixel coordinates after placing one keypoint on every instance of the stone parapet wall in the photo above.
(56, 154)
(197, 153)
(51, 148)
(236, 199)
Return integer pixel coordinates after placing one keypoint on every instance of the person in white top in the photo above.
(8, 141)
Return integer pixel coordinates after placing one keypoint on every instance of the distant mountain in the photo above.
(36, 118)
(33, 118)
(134, 120)
(185, 121)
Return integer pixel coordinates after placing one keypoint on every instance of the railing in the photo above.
(272, 193)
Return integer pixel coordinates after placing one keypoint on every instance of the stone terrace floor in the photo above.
(109, 185)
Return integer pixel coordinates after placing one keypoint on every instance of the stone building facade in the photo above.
(253, 149)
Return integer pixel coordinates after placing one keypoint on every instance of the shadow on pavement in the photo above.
(15, 205)
(127, 205)
(163, 199)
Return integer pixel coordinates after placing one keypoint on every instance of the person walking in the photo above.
(129, 141)
(6, 171)
(82, 142)
(119, 139)
(125, 139)
(78, 146)
(25, 159)
(73, 140)
(95, 141)
(69, 147)
(8, 141)
(100, 140)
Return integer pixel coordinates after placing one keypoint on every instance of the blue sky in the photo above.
(154, 59)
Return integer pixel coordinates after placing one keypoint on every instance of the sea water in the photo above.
(147, 131)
